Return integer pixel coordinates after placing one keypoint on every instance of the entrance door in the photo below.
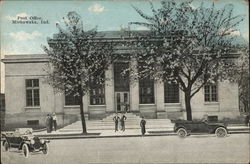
(122, 101)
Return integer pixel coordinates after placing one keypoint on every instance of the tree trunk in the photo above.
(188, 105)
(84, 129)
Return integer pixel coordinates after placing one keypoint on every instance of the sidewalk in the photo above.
(108, 133)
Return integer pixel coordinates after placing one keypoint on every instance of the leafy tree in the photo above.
(187, 45)
(241, 76)
(76, 56)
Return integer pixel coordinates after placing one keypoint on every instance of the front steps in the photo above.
(132, 122)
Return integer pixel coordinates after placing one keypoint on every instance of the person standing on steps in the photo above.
(123, 118)
(116, 120)
(143, 126)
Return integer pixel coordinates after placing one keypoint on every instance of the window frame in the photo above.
(144, 96)
(97, 92)
(34, 98)
(171, 92)
(212, 95)
(71, 100)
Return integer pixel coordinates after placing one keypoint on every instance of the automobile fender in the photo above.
(47, 141)
(3, 138)
(219, 127)
(24, 142)
(3, 142)
(188, 131)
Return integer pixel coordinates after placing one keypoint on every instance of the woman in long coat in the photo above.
(143, 126)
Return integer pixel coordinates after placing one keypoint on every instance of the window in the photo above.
(171, 93)
(32, 92)
(97, 91)
(121, 78)
(71, 99)
(146, 86)
(210, 93)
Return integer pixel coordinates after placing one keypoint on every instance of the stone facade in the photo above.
(19, 68)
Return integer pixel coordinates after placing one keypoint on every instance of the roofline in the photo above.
(27, 58)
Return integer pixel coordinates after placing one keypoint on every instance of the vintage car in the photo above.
(184, 128)
(23, 139)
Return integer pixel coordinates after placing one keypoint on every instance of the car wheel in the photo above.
(221, 132)
(45, 149)
(25, 149)
(182, 132)
(6, 146)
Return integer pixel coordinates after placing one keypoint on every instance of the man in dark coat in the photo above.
(143, 126)
(116, 120)
(48, 123)
(123, 122)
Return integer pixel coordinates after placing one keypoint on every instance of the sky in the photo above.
(107, 15)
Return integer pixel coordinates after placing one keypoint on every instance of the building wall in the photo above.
(19, 68)
(227, 106)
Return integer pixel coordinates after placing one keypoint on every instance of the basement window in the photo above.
(32, 122)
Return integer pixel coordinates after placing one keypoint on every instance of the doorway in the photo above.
(121, 86)
(122, 101)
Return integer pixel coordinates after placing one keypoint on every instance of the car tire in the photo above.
(182, 132)
(6, 146)
(25, 149)
(45, 149)
(221, 132)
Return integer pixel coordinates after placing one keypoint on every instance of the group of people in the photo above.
(51, 122)
(121, 121)
(118, 120)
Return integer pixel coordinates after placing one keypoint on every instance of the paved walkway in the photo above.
(105, 128)
(60, 134)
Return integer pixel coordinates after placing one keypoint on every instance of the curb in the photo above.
(151, 134)
(97, 136)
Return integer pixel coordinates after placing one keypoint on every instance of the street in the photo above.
(157, 149)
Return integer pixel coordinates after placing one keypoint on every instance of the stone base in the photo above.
(35, 120)
(161, 114)
(222, 115)
(86, 116)
(148, 111)
(175, 115)
(97, 112)
(97, 116)
(148, 115)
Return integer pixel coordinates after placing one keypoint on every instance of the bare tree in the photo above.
(190, 45)
(76, 56)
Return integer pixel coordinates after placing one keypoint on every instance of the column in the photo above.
(159, 95)
(109, 89)
(58, 103)
(59, 107)
(134, 86)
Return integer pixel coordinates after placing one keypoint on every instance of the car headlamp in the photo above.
(32, 141)
(42, 141)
